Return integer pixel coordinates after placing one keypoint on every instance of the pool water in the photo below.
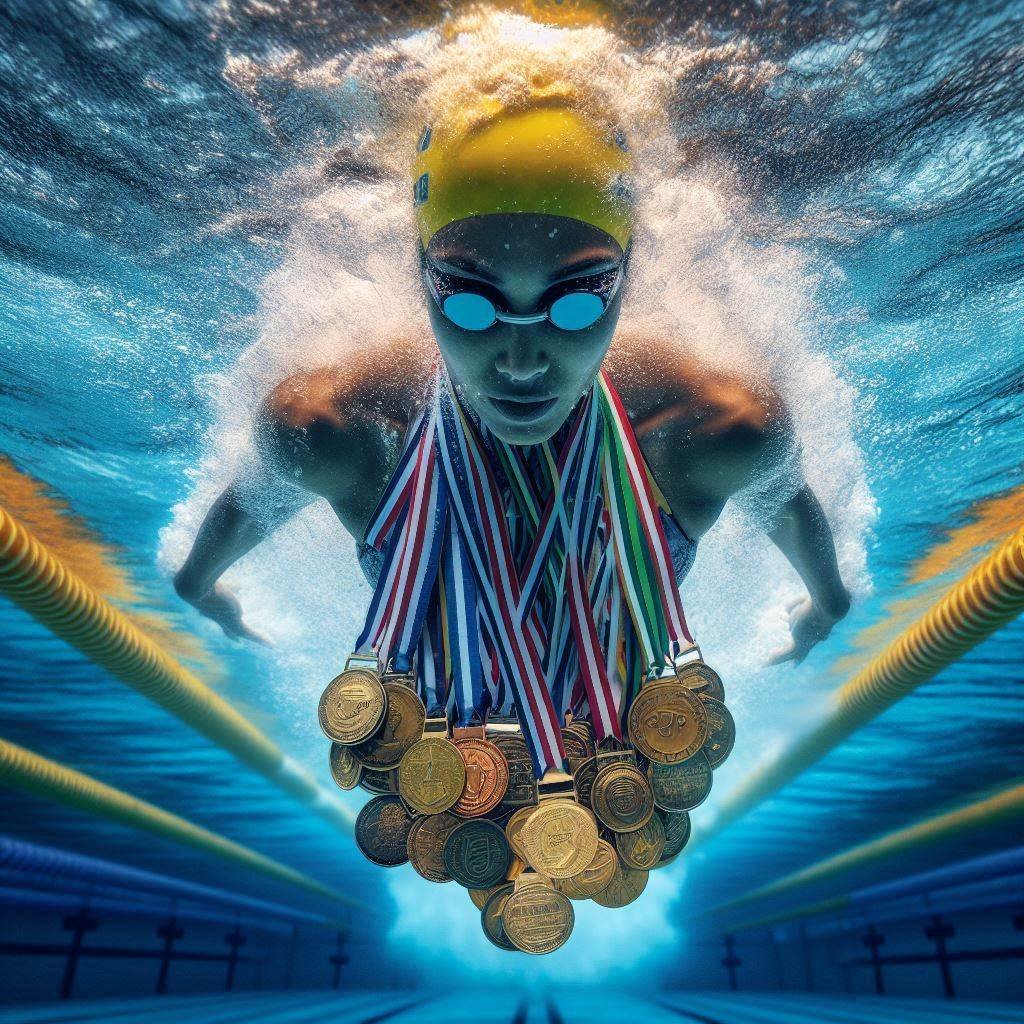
(187, 215)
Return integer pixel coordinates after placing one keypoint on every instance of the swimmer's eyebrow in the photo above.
(464, 267)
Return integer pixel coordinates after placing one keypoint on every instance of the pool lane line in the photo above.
(36, 580)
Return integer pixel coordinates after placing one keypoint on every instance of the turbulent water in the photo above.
(197, 199)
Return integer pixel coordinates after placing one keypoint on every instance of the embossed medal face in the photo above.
(403, 726)
(560, 838)
(514, 831)
(682, 786)
(476, 854)
(625, 887)
(426, 845)
(491, 916)
(622, 797)
(721, 732)
(486, 776)
(677, 834)
(538, 919)
(432, 775)
(577, 744)
(667, 723)
(352, 706)
(345, 769)
(643, 848)
(521, 790)
(379, 782)
(704, 680)
(583, 780)
(595, 877)
(382, 831)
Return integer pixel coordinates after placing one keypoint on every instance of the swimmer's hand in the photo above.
(222, 606)
(809, 624)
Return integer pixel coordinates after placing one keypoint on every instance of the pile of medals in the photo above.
(464, 804)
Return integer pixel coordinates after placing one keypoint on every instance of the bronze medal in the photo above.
(382, 831)
(491, 916)
(353, 706)
(486, 775)
(721, 732)
(667, 722)
(425, 845)
(682, 786)
(595, 877)
(703, 680)
(622, 797)
(378, 782)
(476, 854)
(560, 838)
(577, 745)
(432, 775)
(345, 769)
(583, 780)
(403, 726)
(643, 848)
(677, 834)
(522, 788)
(625, 887)
(537, 919)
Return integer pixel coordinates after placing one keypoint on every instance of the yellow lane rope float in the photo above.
(987, 598)
(999, 809)
(25, 770)
(37, 581)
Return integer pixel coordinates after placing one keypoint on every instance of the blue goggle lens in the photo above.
(470, 312)
(576, 311)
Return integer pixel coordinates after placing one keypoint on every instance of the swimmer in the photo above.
(526, 224)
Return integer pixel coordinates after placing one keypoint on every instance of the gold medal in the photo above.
(477, 854)
(697, 676)
(583, 780)
(486, 773)
(403, 726)
(353, 705)
(625, 886)
(643, 848)
(480, 896)
(491, 916)
(622, 797)
(432, 773)
(595, 877)
(667, 722)
(536, 918)
(345, 769)
(721, 732)
(382, 831)
(514, 830)
(577, 742)
(560, 838)
(682, 786)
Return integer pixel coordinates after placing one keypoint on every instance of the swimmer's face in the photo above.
(523, 380)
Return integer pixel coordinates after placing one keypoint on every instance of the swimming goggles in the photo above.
(571, 306)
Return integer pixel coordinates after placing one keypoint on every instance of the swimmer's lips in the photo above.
(523, 410)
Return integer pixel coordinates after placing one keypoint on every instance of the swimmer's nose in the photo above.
(522, 361)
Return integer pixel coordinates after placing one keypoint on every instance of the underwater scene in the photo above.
(511, 510)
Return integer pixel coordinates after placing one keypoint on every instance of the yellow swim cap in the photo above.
(544, 159)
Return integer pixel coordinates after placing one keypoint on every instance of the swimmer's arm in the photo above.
(229, 531)
(802, 533)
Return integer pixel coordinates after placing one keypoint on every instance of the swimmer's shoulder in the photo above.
(334, 427)
(705, 432)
